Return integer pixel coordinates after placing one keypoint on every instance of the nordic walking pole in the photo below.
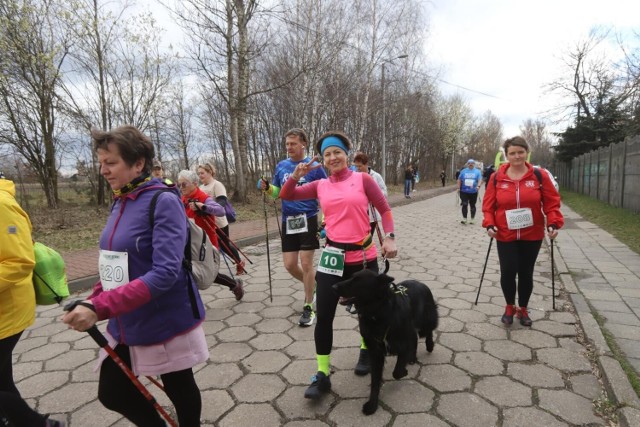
(266, 230)
(275, 207)
(375, 219)
(553, 279)
(484, 269)
(104, 344)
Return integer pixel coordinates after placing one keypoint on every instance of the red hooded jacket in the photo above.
(503, 193)
(206, 222)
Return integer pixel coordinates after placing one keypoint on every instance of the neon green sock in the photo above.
(363, 346)
(323, 363)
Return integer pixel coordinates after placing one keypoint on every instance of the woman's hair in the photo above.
(132, 144)
(299, 133)
(340, 135)
(516, 141)
(208, 167)
(361, 157)
(189, 175)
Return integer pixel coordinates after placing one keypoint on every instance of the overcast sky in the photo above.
(510, 49)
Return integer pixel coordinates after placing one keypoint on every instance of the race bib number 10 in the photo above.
(332, 261)
(519, 218)
(114, 269)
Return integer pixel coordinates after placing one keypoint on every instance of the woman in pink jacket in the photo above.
(344, 198)
(517, 199)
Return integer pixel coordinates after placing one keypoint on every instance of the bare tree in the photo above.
(34, 48)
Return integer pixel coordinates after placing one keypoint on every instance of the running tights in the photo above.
(468, 199)
(517, 258)
(117, 393)
(15, 410)
(6, 364)
(327, 301)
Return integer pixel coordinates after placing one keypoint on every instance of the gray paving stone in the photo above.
(268, 326)
(504, 392)
(533, 339)
(25, 370)
(43, 353)
(555, 329)
(93, 414)
(569, 406)
(448, 324)
(445, 378)
(299, 372)
(418, 420)
(229, 352)
(460, 342)
(39, 385)
(507, 350)
(261, 362)
(68, 397)
(535, 375)
(243, 319)
(256, 388)
(586, 385)
(214, 404)
(236, 334)
(406, 396)
(476, 412)
(468, 316)
(70, 360)
(525, 416)
(218, 376)
(620, 318)
(348, 413)
(348, 385)
(257, 414)
(478, 363)
(563, 359)
(486, 331)
(270, 341)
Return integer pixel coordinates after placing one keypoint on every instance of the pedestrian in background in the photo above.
(17, 304)
(514, 207)
(214, 188)
(361, 163)
(469, 183)
(408, 179)
(299, 219)
(443, 177)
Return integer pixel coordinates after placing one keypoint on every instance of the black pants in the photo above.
(517, 258)
(327, 301)
(117, 393)
(468, 199)
(225, 243)
(6, 366)
(16, 411)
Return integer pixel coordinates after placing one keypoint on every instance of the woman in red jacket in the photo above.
(516, 200)
(203, 210)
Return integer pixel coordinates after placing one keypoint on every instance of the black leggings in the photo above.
(468, 199)
(517, 258)
(117, 393)
(17, 412)
(225, 243)
(327, 301)
(6, 366)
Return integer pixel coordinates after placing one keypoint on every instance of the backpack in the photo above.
(49, 276)
(229, 212)
(201, 258)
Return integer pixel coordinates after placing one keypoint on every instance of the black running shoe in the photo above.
(320, 384)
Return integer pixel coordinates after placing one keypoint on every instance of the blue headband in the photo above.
(333, 141)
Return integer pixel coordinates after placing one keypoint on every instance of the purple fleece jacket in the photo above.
(154, 306)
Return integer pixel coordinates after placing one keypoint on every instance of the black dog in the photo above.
(388, 316)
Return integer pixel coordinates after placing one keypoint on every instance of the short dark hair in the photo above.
(338, 134)
(132, 144)
(299, 133)
(516, 141)
(361, 157)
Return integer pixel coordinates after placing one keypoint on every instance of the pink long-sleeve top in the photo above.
(344, 198)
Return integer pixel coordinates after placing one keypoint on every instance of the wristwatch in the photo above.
(390, 236)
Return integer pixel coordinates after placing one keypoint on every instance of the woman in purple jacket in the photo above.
(155, 312)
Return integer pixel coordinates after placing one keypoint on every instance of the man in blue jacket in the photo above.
(469, 183)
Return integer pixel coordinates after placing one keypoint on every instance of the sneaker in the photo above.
(523, 315)
(473, 221)
(240, 268)
(54, 423)
(308, 316)
(509, 311)
(351, 309)
(464, 221)
(320, 384)
(414, 191)
(238, 289)
(363, 367)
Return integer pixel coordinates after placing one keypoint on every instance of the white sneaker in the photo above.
(473, 221)
(464, 221)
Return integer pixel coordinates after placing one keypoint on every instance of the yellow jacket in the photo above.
(17, 298)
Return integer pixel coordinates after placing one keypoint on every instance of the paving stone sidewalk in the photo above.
(480, 373)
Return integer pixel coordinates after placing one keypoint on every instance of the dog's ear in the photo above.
(385, 279)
